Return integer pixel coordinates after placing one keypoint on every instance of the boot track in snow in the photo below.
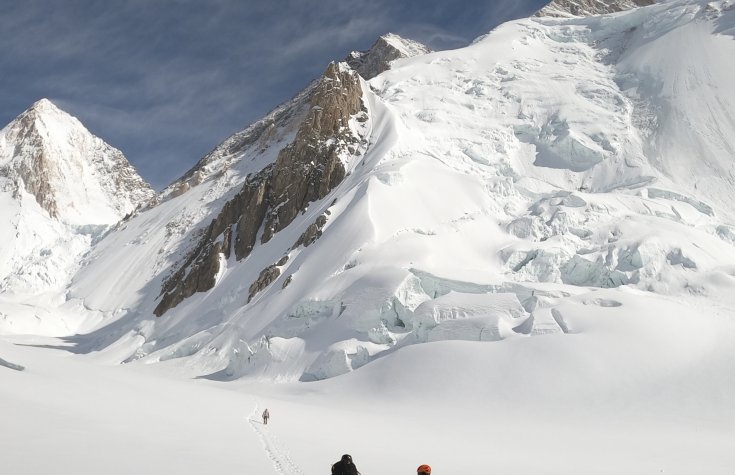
(277, 454)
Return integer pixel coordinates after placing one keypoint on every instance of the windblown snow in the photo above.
(533, 253)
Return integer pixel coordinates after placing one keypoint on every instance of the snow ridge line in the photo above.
(275, 451)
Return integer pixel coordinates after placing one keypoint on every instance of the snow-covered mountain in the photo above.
(280, 125)
(74, 176)
(468, 194)
(526, 245)
(60, 189)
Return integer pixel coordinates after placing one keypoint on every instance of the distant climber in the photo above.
(266, 416)
(423, 470)
(345, 466)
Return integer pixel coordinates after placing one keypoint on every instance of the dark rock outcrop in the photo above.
(310, 167)
(267, 277)
(239, 218)
(386, 49)
(312, 233)
(306, 170)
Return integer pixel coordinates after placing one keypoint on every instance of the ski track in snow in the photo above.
(277, 454)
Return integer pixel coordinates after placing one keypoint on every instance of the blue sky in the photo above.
(166, 81)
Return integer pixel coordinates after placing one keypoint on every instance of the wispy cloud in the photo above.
(166, 81)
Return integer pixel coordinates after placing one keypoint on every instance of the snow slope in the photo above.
(72, 416)
(529, 269)
(502, 179)
(619, 394)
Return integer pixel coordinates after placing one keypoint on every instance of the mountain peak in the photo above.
(575, 8)
(44, 104)
(47, 110)
(47, 121)
(386, 49)
(76, 177)
(407, 46)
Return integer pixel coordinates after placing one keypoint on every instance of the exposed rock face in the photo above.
(275, 126)
(566, 8)
(311, 166)
(267, 277)
(312, 233)
(241, 217)
(36, 173)
(76, 177)
(202, 267)
(306, 170)
(387, 48)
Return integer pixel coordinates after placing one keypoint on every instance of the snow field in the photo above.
(638, 385)
(71, 415)
(530, 270)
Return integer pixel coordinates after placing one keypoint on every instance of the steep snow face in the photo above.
(572, 8)
(554, 164)
(76, 177)
(681, 104)
(60, 188)
(384, 51)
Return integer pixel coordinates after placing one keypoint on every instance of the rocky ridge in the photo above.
(281, 124)
(278, 125)
(305, 170)
(567, 8)
(386, 49)
(315, 123)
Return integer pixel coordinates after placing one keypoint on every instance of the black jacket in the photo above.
(344, 468)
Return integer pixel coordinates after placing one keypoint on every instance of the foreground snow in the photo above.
(637, 386)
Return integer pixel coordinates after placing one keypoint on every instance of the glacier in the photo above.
(531, 252)
(536, 161)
